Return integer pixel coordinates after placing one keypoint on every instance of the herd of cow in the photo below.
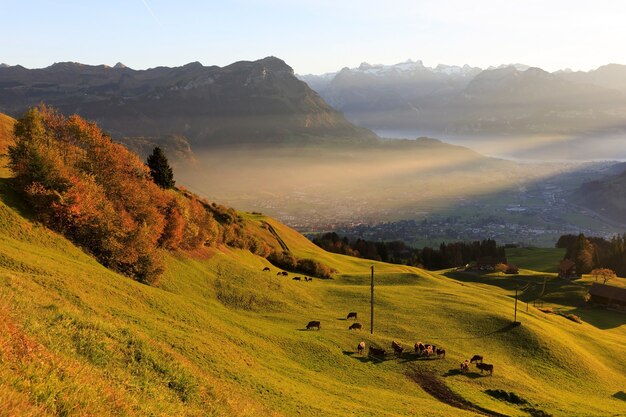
(285, 273)
(420, 349)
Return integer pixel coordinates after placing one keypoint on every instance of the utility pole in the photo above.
(372, 304)
(515, 317)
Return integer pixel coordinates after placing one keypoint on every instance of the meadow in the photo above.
(217, 336)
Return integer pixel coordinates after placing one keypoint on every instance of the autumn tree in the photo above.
(160, 169)
(604, 274)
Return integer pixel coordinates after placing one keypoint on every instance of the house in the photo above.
(608, 295)
(567, 269)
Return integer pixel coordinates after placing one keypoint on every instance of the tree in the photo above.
(501, 268)
(603, 273)
(160, 169)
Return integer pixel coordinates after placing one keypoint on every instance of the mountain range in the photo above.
(463, 100)
(245, 102)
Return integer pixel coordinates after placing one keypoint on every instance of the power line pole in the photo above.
(515, 317)
(372, 304)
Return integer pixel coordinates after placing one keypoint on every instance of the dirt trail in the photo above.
(429, 382)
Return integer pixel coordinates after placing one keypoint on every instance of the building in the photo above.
(567, 269)
(608, 295)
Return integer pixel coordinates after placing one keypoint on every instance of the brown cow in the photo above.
(355, 326)
(465, 365)
(361, 348)
(476, 358)
(419, 347)
(296, 278)
(313, 324)
(441, 352)
(351, 315)
(485, 367)
(397, 347)
(376, 351)
(266, 269)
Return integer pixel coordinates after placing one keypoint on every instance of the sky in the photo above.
(314, 36)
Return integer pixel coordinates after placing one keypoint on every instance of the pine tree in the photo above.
(160, 169)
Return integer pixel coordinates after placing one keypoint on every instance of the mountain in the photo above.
(245, 102)
(611, 76)
(509, 100)
(607, 195)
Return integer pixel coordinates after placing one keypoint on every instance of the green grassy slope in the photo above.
(218, 336)
(536, 259)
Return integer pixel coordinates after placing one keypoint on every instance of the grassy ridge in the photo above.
(536, 259)
(220, 337)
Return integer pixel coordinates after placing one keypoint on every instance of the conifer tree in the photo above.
(160, 169)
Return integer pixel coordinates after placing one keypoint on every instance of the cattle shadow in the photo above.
(413, 357)
(368, 358)
(342, 319)
(620, 395)
(458, 372)
(601, 318)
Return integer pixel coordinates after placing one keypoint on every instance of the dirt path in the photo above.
(429, 382)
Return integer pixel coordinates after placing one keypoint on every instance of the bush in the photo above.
(286, 260)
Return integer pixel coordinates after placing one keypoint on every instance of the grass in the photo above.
(536, 259)
(218, 336)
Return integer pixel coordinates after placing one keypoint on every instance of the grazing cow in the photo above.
(361, 348)
(397, 348)
(419, 347)
(313, 324)
(485, 367)
(441, 352)
(296, 278)
(266, 269)
(284, 273)
(355, 326)
(351, 315)
(307, 279)
(428, 351)
(376, 351)
(279, 273)
(476, 358)
(465, 365)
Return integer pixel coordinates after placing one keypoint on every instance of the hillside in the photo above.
(246, 102)
(6, 132)
(607, 195)
(218, 336)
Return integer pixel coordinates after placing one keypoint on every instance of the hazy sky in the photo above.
(314, 36)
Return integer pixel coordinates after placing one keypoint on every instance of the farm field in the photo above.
(536, 259)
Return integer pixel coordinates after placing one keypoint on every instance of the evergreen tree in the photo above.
(160, 169)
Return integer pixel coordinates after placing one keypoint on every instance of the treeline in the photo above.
(595, 252)
(447, 255)
(286, 260)
(103, 197)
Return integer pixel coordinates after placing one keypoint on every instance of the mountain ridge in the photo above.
(244, 102)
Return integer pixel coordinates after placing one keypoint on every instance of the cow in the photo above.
(313, 324)
(351, 315)
(279, 273)
(476, 358)
(296, 278)
(419, 347)
(485, 367)
(465, 365)
(441, 352)
(361, 348)
(376, 351)
(355, 326)
(284, 273)
(397, 348)
(307, 279)
(266, 269)
(428, 350)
